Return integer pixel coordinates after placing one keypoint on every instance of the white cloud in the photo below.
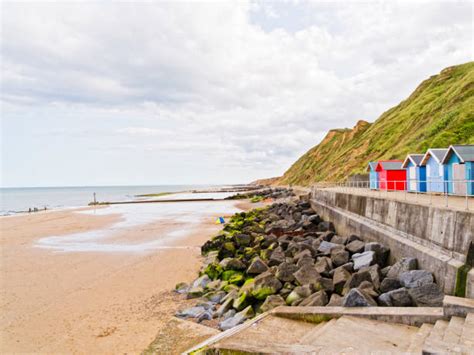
(253, 84)
(144, 131)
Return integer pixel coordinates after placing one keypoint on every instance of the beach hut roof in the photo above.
(390, 165)
(437, 153)
(464, 152)
(414, 158)
(372, 165)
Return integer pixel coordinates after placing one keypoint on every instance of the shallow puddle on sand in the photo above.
(186, 217)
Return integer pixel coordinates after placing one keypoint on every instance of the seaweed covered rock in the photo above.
(233, 277)
(213, 244)
(242, 239)
(265, 285)
(232, 264)
(213, 270)
(285, 254)
(298, 294)
(195, 292)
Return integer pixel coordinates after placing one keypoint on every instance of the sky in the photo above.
(149, 93)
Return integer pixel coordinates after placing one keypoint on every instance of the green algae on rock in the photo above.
(286, 254)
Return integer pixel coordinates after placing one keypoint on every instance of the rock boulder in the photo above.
(357, 298)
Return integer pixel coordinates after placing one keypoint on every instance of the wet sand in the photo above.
(100, 301)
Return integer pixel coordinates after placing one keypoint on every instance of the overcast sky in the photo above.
(112, 93)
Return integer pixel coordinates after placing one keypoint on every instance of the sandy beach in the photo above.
(97, 281)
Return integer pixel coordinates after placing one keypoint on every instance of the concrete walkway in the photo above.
(358, 330)
(345, 335)
(451, 202)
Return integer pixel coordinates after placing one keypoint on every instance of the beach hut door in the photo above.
(412, 178)
(459, 177)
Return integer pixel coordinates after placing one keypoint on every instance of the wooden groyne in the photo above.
(155, 201)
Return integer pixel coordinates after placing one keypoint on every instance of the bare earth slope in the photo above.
(438, 113)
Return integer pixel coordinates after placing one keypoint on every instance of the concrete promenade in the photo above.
(451, 202)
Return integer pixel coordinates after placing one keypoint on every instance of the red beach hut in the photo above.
(391, 175)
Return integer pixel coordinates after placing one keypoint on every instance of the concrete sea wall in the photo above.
(439, 238)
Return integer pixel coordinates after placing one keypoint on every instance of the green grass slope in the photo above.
(438, 113)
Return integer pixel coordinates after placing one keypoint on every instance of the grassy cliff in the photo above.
(438, 113)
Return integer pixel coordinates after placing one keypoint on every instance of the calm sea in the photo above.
(14, 200)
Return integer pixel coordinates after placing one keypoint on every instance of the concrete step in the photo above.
(453, 332)
(417, 341)
(269, 335)
(328, 330)
(363, 336)
(438, 330)
(314, 334)
(467, 335)
(457, 306)
(272, 334)
(436, 343)
(432, 342)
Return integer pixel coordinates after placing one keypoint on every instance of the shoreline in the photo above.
(134, 198)
(91, 302)
(49, 210)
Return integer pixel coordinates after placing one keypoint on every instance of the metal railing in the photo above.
(451, 191)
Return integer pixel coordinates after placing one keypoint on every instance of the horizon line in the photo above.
(70, 186)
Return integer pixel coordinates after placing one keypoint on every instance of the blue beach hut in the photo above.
(435, 170)
(373, 175)
(416, 174)
(459, 162)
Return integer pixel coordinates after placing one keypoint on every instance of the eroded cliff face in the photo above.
(438, 113)
(321, 162)
(266, 182)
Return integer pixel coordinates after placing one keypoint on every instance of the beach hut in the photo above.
(391, 175)
(373, 175)
(416, 174)
(459, 163)
(435, 170)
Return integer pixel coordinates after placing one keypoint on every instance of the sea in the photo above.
(22, 199)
